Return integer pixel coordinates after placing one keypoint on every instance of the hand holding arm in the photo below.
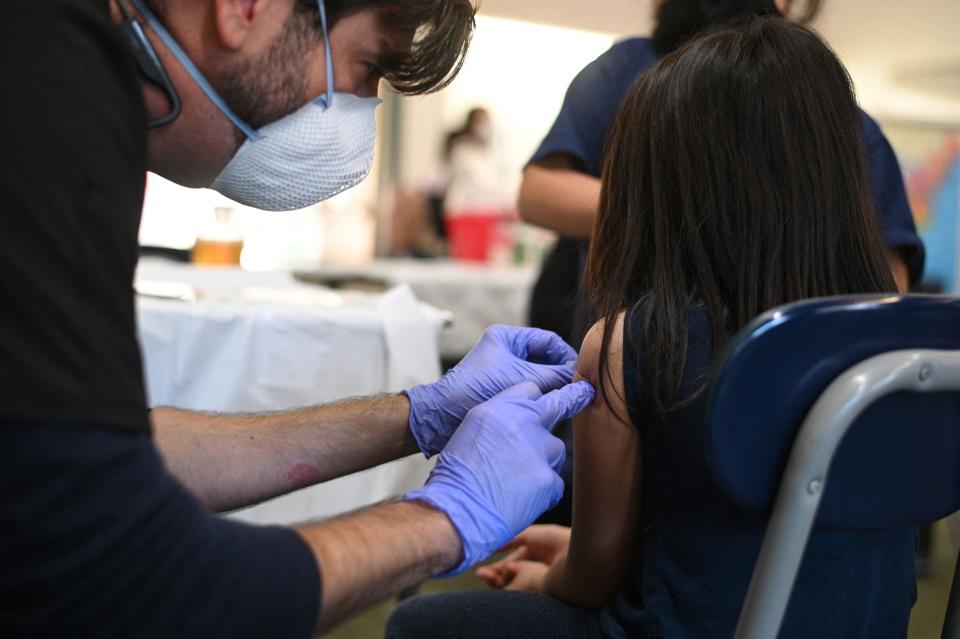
(499, 471)
(229, 461)
(495, 476)
(504, 357)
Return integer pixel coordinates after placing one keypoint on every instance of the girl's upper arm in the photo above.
(607, 479)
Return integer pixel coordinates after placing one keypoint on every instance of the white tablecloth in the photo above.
(263, 342)
(478, 295)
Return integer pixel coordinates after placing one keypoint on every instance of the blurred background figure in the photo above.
(463, 210)
(475, 202)
(475, 134)
(468, 168)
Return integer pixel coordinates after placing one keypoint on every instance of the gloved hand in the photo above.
(499, 471)
(503, 357)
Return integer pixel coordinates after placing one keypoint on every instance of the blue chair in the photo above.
(837, 413)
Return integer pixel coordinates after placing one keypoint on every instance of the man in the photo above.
(270, 102)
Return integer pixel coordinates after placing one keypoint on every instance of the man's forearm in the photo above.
(370, 555)
(230, 461)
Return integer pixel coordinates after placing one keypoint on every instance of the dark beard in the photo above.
(264, 90)
(679, 20)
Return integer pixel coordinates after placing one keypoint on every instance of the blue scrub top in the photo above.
(595, 95)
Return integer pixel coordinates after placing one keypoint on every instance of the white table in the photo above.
(256, 342)
(477, 295)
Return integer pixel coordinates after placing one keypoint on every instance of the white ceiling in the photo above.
(617, 17)
(903, 55)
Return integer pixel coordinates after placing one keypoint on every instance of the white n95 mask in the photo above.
(304, 158)
(308, 156)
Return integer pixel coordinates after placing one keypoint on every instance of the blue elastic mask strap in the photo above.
(326, 100)
(194, 72)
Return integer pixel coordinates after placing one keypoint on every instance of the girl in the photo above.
(734, 183)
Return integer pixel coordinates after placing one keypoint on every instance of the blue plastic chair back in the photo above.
(899, 465)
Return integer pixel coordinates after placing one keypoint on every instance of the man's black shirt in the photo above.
(73, 133)
(98, 540)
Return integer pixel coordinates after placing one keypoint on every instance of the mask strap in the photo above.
(326, 100)
(194, 72)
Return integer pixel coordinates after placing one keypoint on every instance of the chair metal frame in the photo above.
(807, 473)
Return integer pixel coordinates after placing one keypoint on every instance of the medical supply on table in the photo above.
(220, 243)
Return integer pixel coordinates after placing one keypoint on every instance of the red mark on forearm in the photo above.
(304, 475)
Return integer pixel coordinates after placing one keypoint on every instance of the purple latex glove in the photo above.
(504, 356)
(499, 471)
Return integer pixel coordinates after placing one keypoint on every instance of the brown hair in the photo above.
(735, 182)
(441, 30)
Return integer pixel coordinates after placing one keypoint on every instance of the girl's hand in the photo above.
(524, 575)
(534, 551)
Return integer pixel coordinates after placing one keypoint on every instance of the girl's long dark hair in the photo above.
(734, 181)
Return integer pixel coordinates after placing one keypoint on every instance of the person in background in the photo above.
(560, 190)
(106, 524)
(734, 183)
(467, 159)
(477, 130)
(561, 184)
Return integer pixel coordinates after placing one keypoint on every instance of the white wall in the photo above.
(878, 40)
(615, 17)
(520, 72)
(904, 56)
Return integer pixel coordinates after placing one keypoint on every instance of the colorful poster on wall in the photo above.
(930, 159)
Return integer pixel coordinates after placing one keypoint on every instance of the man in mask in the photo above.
(104, 533)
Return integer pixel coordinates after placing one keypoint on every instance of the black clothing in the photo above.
(99, 540)
(697, 549)
(72, 121)
(491, 614)
(96, 537)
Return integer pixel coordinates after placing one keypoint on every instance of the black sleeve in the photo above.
(98, 539)
(72, 169)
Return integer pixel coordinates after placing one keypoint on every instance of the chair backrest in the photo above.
(867, 388)
(777, 367)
